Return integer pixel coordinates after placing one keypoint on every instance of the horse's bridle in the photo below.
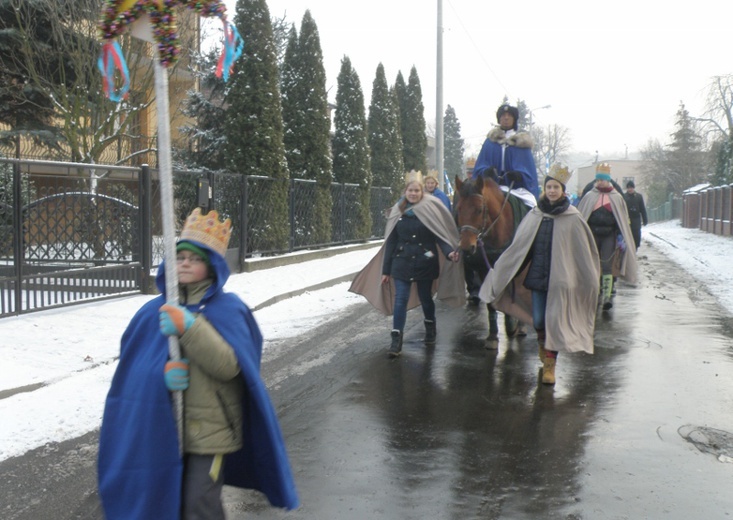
(480, 234)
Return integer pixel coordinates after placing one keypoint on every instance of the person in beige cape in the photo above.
(605, 211)
(562, 275)
(410, 266)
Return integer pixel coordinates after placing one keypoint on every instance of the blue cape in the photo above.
(139, 467)
(515, 158)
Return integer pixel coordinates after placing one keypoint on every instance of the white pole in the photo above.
(439, 154)
(165, 177)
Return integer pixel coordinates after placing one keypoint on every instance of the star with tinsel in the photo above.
(119, 15)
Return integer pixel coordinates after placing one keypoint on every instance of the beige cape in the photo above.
(625, 266)
(572, 296)
(450, 286)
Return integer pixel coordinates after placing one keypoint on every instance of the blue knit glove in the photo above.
(175, 320)
(176, 375)
(620, 243)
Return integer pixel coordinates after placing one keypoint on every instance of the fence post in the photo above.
(244, 240)
(343, 212)
(18, 236)
(145, 229)
(291, 215)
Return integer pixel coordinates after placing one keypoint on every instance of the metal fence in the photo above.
(669, 210)
(73, 232)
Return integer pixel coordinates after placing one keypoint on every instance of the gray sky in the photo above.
(614, 73)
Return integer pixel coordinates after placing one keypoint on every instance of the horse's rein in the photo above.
(481, 234)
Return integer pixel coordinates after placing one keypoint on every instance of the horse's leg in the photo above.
(511, 326)
(492, 341)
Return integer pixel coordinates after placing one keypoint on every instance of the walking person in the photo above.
(605, 211)
(637, 212)
(410, 266)
(431, 187)
(563, 275)
(230, 429)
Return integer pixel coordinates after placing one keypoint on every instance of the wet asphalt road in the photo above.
(640, 430)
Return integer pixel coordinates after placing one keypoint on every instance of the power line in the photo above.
(478, 50)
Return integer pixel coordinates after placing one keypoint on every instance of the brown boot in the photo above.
(541, 343)
(548, 371)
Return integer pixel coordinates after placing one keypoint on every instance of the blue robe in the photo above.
(139, 467)
(516, 158)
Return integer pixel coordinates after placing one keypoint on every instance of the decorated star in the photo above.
(120, 15)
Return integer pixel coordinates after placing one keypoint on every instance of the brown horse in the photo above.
(486, 219)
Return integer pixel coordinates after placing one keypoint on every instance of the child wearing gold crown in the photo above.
(604, 208)
(554, 241)
(231, 434)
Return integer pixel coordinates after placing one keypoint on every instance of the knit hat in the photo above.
(503, 109)
(560, 173)
(188, 246)
(603, 172)
(630, 184)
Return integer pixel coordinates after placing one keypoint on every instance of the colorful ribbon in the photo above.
(233, 47)
(110, 60)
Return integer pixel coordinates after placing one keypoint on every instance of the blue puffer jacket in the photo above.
(411, 251)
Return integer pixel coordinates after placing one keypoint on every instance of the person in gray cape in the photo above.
(562, 277)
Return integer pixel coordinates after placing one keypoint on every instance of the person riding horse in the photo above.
(507, 156)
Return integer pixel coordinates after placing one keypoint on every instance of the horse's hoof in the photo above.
(491, 343)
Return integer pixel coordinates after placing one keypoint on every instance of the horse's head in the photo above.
(470, 212)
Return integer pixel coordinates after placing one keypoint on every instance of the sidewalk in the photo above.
(43, 347)
(58, 364)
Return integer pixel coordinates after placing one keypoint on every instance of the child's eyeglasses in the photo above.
(193, 259)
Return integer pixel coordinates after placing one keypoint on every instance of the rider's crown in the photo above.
(207, 230)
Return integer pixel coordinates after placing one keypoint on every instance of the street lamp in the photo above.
(532, 111)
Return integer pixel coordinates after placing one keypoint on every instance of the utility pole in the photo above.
(439, 100)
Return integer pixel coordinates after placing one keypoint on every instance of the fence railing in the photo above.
(671, 209)
(70, 231)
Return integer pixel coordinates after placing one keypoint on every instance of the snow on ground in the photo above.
(70, 353)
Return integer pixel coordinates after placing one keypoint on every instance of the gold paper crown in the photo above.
(207, 230)
(604, 168)
(413, 176)
(560, 173)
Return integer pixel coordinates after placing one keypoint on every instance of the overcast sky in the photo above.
(614, 73)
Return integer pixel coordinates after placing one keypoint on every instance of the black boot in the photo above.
(396, 347)
(430, 332)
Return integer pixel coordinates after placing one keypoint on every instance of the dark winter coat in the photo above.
(602, 223)
(540, 256)
(411, 251)
(637, 209)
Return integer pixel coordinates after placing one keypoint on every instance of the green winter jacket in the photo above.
(212, 402)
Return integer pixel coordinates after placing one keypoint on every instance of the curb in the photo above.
(269, 262)
(304, 256)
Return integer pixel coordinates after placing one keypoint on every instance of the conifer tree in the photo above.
(454, 150)
(385, 141)
(350, 148)
(254, 127)
(307, 127)
(412, 113)
(205, 107)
